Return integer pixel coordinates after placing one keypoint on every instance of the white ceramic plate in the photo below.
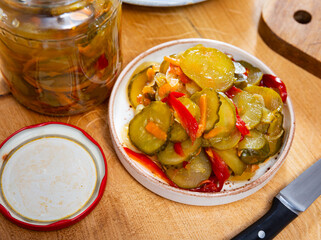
(162, 3)
(120, 113)
(52, 175)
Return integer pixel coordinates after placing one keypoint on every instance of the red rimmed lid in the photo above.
(52, 175)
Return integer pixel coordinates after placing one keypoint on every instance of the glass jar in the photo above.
(60, 57)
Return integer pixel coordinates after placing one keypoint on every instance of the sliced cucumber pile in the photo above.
(202, 98)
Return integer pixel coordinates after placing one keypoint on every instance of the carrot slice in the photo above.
(150, 74)
(171, 60)
(164, 89)
(153, 129)
(213, 132)
(203, 107)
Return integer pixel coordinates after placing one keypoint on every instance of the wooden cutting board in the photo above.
(292, 28)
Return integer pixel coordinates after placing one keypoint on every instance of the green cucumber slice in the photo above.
(227, 142)
(208, 67)
(249, 108)
(169, 157)
(178, 133)
(254, 148)
(197, 170)
(136, 85)
(157, 112)
(227, 118)
(275, 144)
(232, 160)
(254, 74)
(276, 126)
(212, 106)
(272, 99)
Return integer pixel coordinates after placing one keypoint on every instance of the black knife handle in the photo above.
(267, 227)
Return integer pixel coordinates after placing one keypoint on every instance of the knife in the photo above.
(287, 205)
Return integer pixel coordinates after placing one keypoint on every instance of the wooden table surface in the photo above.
(127, 210)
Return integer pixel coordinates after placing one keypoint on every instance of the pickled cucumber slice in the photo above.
(208, 67)
(272, 99)
(165, 64)
(136, 85)
(145, 65)
(157, 112)
(240, 75)
(276, 126)
(212, 106)
(164, 67)
(254, 148)
(197, 170)
(169, 157)
(178, 133)
(262, 127)
(227, 142)
(254, 74)
(275, 133)
(227, 119)
(232, 160)
(267, 118)
(275, 144)
(227, 115)
(267, 115)
(191, 106)
(249, 108)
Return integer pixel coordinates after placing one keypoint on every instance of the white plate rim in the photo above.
(175, 193)
(162, 3)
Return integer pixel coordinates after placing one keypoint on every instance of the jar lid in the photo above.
(52, 175)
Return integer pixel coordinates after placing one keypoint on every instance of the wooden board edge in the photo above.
(287, 50)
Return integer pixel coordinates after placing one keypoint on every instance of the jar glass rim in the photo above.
(42, 3)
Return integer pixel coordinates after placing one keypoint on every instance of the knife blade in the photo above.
(287, 205)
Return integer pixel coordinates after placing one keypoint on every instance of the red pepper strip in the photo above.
(148, 163)
(246, 73)
(232, 92)
(219, 167)
(184, 78)
(175, 94)
(178, 149)
(102, 62)
(240, 124)
(271, 81)
(209, 185)
(187, 120)
(185, 164)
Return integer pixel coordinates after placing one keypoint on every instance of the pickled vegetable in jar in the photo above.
(60, 57)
